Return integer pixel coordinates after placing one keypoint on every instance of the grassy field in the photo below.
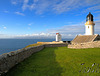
(60, 61)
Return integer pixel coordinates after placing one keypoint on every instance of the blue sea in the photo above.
(7, 45)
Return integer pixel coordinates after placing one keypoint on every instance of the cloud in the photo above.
(67, 31)
(74, 29)
(14, 3)
(6, 11)
(97, 12)
(65, 6)
(3, 36)
(41, 35)
(58, 6)
(19, 13)
(97, 7)
(5, 27)
(25, 4)
(30, 24)
(97, 27)
(35, 36)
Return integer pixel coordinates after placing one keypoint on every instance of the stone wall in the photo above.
(56, 45)
(8, 60)
(94, 44)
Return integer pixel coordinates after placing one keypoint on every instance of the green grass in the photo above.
(58, 61)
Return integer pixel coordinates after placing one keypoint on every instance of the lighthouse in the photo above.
(89, 32)
(58, 37)
(89, 25)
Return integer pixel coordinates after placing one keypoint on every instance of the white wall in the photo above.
(89, 29)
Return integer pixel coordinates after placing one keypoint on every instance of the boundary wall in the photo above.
(94, 44)
(9, 60)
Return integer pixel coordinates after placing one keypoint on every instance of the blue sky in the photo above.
(43, 18)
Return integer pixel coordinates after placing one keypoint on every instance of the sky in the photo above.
(44, 18)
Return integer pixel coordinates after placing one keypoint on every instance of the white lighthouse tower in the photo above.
(58, 37)
(89, 30)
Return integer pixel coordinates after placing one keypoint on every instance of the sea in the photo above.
(8, 45)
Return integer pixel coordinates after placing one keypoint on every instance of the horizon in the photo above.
(44, 18)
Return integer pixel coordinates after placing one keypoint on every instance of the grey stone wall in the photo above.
(8, 60)
(56, 45)
(94, 44)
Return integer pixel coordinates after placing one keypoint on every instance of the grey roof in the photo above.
(84, 38)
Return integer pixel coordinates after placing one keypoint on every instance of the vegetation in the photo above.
(31, 45)
(60, 61)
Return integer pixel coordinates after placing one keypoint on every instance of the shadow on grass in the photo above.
(42, 63)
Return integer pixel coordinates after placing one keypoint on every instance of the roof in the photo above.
(84, 38)
(57, 33)
(89, 14)
(89, 17)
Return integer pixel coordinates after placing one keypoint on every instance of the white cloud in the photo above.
(97, 12)
(13, 2)
(5, 27)
(97, 7)
(19, 13)
(36, 0)
(29, 6)
(25, 4)
(30, 24)
(97, 27)
(75, 29)
(6, 36)
(67, 31)
(36, 36)
(6, 11)
(58, 6)
(16, 2)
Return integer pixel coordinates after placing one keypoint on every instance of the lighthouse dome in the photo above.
(89, 17)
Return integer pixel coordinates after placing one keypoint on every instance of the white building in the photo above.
(58, 37)
(89, 25)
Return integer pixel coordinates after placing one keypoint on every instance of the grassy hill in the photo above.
(60, 61)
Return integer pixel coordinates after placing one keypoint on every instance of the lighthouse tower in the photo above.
(58, 37)
(89, 30)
